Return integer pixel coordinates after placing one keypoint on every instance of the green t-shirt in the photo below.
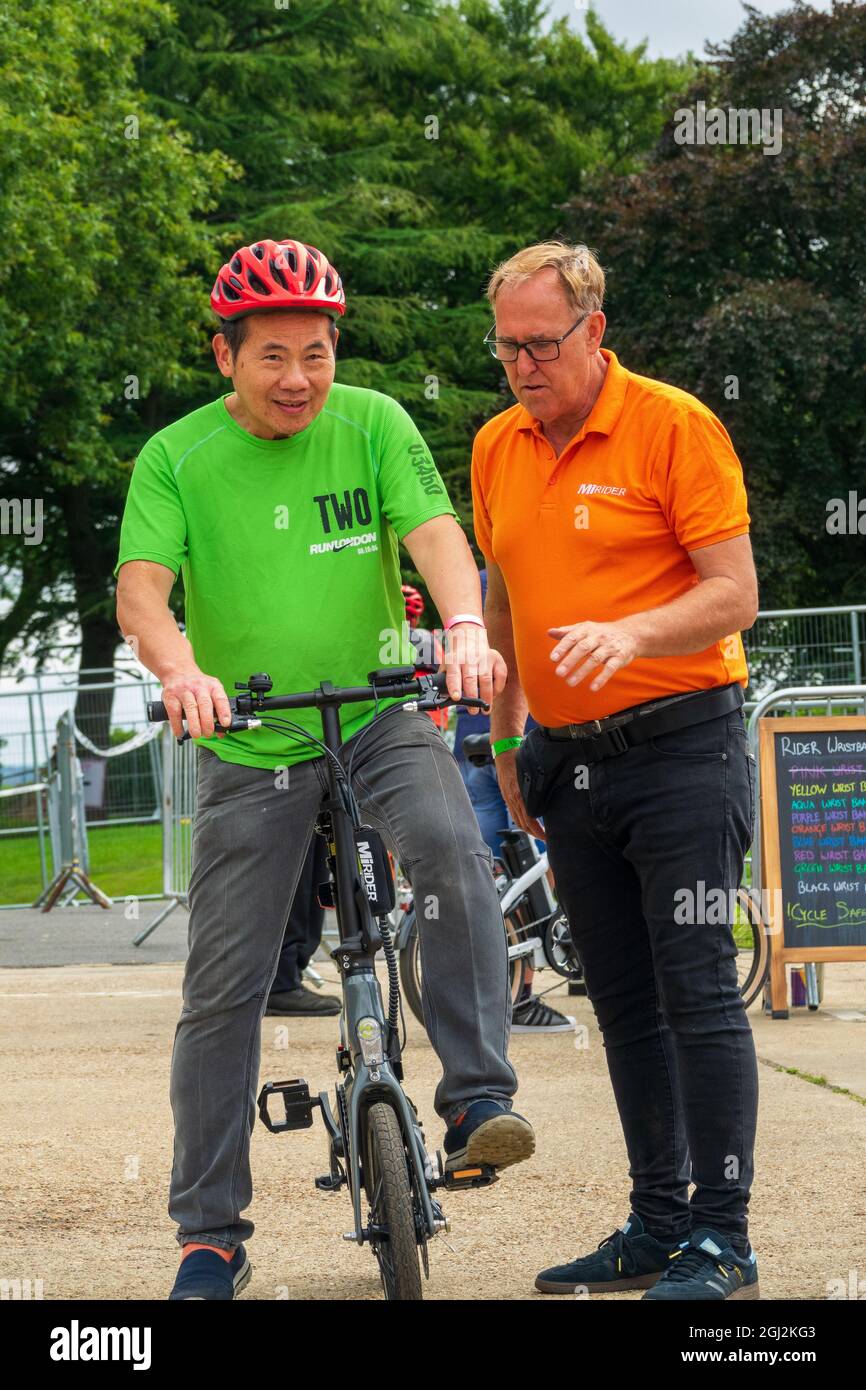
(288, 549)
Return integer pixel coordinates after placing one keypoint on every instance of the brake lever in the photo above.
(433, 699)
(237, 724)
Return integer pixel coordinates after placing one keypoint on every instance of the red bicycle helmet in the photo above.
(277, 275)
(414, 602)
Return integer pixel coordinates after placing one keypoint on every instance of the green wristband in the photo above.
(502, 745)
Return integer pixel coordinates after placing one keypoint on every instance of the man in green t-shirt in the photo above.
(282, 505)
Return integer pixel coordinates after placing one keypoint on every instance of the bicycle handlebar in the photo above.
(246, 707)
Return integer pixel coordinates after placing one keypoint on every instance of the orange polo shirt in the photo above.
(604, 531)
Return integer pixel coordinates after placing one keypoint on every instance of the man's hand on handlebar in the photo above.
(472, 668)
(195, 697)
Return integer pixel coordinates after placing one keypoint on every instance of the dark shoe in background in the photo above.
(302, 1002)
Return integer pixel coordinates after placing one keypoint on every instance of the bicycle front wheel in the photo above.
(392, 1212)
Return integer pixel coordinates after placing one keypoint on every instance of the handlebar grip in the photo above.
(157, 712)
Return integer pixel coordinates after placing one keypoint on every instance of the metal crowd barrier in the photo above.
(787, 647)
(178, 815)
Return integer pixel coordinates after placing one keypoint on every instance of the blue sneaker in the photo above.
(629, 1259)
(487, 1133)
(205, 1274)
(707, 1268)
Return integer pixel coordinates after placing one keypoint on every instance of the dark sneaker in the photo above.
(206, 1275)
(487, 1133)
(707, 1268)
(629, 1259)
(531, 1016)
(302, 1002)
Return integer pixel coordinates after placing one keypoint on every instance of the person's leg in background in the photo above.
(490, 810)
(289, 995)
(529, 1015)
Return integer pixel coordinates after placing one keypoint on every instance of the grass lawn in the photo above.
(124, 860)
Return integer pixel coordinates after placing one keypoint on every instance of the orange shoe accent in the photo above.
(227, 1255)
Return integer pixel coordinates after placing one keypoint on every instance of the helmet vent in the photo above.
(235, 264)
(311, 274)
(258, 251)
(256, 283)
(276, 273)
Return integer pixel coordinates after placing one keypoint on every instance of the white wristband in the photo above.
(463, 618)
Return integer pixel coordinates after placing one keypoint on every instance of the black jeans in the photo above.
(637, 854)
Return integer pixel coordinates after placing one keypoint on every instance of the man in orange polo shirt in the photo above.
(611, 510)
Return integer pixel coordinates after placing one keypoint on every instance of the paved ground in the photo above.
(86, 1141)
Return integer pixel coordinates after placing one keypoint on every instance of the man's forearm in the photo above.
(441, 554)
(713, 609)
(510, 710)
(151, 630)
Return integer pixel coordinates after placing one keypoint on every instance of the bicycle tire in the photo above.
(410, 971)
(389, 1192)
(754, 972)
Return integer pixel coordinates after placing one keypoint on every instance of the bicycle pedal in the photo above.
(476, 1175)
(297, 1105)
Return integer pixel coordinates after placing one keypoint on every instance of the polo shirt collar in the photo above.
(607, 409)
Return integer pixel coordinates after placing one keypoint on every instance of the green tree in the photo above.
(100, 289)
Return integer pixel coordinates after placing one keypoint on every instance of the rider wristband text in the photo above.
(502, 745)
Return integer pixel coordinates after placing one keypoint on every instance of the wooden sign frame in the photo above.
(771, 860)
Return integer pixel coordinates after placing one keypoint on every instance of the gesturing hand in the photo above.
(592, 649)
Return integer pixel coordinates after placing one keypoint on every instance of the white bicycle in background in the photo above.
(536, 928)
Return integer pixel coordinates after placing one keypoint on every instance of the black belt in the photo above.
(604, 738)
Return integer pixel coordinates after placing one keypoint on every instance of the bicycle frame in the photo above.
(372, 1076)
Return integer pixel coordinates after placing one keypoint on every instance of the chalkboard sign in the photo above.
(813, 826)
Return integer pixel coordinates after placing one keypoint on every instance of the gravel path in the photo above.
(87, 1140)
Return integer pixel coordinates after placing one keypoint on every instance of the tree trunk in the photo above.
(91, 556)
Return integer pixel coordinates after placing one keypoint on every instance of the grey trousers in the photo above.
(250, 840)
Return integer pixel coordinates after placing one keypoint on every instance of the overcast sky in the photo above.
(671, 26)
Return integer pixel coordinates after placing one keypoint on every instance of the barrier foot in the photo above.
(160, 917)
(72, 875)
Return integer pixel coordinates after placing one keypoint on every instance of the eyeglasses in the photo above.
(539, 349)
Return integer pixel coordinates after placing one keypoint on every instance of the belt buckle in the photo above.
(591, 729)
